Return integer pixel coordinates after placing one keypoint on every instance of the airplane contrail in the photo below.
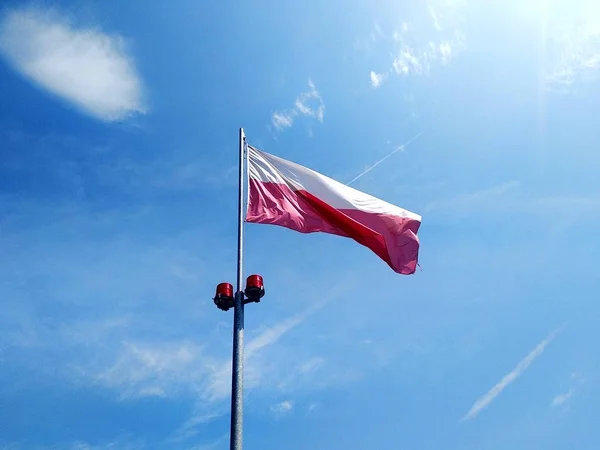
(483, 401)
(397, 149)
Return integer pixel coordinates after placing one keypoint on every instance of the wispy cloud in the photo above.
(513, 197)
(213, 445)
(413, 54)
(160, 370)
(494, 191)
(561, 399)
(393, 152)
(365, 43)
(572, 43)
(312, 407)
(283, 408)
(434, 18)
(119, 444)
(84, 66)
(474, 200)
(377, 32)
(146, 369)
(377, 78)
(307, 104)
(283, 119)
(191, 426)
(220, 384)
(485, 400)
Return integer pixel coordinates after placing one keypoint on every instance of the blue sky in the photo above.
(118, 151)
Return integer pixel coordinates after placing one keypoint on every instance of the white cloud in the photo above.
(180, 368)
(283, 408)
(407, 62)
(378, 30)
(445, 50)
(304, 100)
(308, 104)
(416, 48)
(377, 78)
(120, 444)
(216, 444)
(168, 370)
(312, 407)
(283, 120)
(475, 200)
(145, 370)
(572, 45)
(311, 365)
(272, 334)
(84, 66)
(514, 198)
(484, 401)
(365, 44)
(190, 427)
(561, 399)
(434, 18)
(220, 385)
(493, 191)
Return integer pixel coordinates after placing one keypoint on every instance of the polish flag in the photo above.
(289, 195)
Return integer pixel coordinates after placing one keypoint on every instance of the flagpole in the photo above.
(237, 374)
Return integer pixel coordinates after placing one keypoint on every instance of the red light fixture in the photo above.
(225, 289)
(224, 296)
(255, 288)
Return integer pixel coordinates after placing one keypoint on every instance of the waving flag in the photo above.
(289, 195)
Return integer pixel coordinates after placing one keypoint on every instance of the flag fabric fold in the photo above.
(287, 194)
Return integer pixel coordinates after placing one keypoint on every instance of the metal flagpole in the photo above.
(225, 299)
(237, 374)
